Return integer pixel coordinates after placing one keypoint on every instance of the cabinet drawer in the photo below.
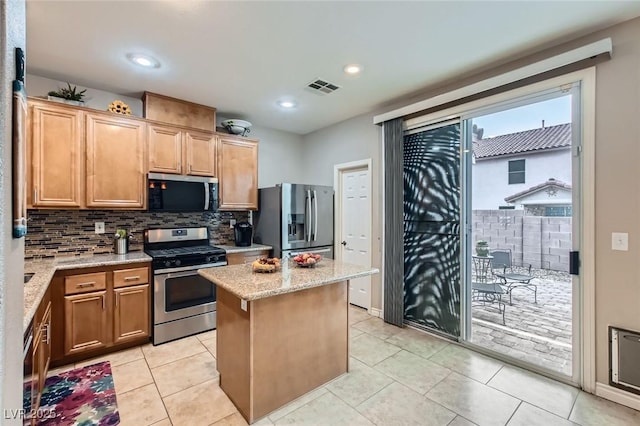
(85, 283)
(245, 256)
(127, 277)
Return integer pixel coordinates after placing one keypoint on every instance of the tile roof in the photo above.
(551, 183)
(530, 140)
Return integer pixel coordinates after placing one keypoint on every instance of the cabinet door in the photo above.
(131, 313)
(200, 152)
(85, 318)
(165, 149)
(115, 162)
(238, 174)
(57, 157)
(45, 347)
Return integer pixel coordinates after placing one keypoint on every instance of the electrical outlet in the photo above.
(99, 227)
(620, 241)
(232, 223)
(243, 304)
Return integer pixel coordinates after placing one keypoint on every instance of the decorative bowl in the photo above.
(236, 127)
(301, 260)
(265, 265)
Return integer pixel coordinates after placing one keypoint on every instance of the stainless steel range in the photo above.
(184, 303)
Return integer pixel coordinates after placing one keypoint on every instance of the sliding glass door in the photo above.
(521, 180)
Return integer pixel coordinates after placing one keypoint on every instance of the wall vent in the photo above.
(322, 87)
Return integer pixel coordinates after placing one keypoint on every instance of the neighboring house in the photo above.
(508, 165)
(551, 198)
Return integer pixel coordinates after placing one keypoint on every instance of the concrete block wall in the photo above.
(543, 242)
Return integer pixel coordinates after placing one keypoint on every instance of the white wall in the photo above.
(491, 177)
(99, 99)
(12, 35)
(354, 139)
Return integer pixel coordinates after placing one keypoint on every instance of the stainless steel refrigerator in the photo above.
(295, 219)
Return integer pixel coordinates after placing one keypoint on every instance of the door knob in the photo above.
(344, 243)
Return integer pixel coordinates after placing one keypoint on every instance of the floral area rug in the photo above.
(83, 397)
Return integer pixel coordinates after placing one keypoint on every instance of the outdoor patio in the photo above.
(539, 333)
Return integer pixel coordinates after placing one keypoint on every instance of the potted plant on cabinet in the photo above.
(67, 95)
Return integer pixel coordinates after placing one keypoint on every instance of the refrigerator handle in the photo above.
(315, 215)
(307, 218)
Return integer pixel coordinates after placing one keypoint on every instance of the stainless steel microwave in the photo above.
(175, 193)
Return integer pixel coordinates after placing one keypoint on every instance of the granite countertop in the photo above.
(241, 281)
(236, 249)
(44, 270)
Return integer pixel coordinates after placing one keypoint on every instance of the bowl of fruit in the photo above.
(307, 260)
(266, 264)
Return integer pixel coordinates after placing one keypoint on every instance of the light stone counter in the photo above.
(243, 283)
(236, 249)
(44, 270)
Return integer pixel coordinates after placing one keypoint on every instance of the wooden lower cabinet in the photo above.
(99, 310)
(85, 319)
(131, 313)
(37, 361)
(245, 256)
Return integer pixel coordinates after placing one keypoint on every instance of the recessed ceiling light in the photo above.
(143, 60)
(287, 104)
(353, 69)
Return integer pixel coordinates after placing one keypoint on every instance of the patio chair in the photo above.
(485, 289)
(502, 267)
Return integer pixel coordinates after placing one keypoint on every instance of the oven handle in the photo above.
(180, 274)
(188, 268)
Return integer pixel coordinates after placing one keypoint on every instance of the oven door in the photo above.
(182, 294)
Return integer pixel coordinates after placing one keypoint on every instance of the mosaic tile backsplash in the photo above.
(56, 233)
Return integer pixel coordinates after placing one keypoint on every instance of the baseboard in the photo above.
(618, 395)
(375, 312)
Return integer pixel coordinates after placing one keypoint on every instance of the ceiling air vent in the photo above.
(322, 87)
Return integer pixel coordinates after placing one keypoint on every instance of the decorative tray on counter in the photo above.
(266, 264)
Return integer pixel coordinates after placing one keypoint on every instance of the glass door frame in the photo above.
(466, 218)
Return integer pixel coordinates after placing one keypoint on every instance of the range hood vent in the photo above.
(322, 86)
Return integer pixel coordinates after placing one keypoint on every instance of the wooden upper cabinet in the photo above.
(238, 173)
(200, 153)
(56, 157)
(165, 149)
(115, 162)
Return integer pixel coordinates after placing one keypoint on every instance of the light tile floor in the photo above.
(397, 377)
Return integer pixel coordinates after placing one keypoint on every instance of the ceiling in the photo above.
(242, 57)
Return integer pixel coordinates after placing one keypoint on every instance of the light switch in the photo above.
(243, 304)
(99, 227)
(620, 241)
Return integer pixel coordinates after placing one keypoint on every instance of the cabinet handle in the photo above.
(46, 335)
(117, 297)
(137, 277)
(87, 284)
(102, 301)
(35, 194)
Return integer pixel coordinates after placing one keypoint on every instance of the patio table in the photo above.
(513, 280)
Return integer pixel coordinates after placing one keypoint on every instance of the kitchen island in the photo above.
(281, 334)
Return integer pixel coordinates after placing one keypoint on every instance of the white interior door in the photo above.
(356, 230)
